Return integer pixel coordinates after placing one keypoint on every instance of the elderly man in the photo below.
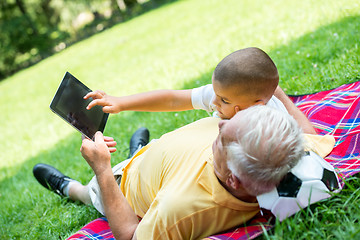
(192, 182)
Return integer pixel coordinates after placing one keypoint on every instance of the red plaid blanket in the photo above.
(335, 112)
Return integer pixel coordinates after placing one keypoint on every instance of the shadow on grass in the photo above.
(320, 60)
(30, 210)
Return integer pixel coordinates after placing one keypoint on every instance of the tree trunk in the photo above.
(22, 9)
(121, 4)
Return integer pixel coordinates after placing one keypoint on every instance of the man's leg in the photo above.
(138, 140)
(54, 180)
(79, 192)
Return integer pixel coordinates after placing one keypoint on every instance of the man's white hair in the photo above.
(269, 143)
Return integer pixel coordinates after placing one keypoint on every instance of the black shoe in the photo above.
(139, 139)
(51, 178)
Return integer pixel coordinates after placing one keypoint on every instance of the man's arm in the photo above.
(299, 116)
(122, 219)
(153, 101)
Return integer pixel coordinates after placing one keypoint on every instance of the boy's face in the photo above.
(228, 102)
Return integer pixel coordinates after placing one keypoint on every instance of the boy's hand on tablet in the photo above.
(109, 103)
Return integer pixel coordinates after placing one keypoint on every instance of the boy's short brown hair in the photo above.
(251, 69)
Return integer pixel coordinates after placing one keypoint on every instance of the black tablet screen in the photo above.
(69, 103)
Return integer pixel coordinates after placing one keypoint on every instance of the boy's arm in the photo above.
(122, 219)
(299, 116)
(153, 101)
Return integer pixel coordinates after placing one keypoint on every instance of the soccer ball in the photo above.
(308, 182)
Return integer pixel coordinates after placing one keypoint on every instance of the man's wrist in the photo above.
(103, 172)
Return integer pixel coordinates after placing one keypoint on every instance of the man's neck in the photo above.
(240, 194)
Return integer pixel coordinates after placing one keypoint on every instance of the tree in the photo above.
(21, 40)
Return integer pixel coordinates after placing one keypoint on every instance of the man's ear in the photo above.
(233, 182)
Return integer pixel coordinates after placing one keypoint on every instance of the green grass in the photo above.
(314, 44)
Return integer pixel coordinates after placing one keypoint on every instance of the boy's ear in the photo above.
(237, 109)
(233, 182)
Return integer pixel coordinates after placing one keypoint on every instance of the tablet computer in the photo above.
(70, 105)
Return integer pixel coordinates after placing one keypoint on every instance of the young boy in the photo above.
(242, 79)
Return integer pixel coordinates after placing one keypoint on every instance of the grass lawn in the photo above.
(315, 45)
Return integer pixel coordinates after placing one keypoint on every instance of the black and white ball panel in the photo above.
(308, 182)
